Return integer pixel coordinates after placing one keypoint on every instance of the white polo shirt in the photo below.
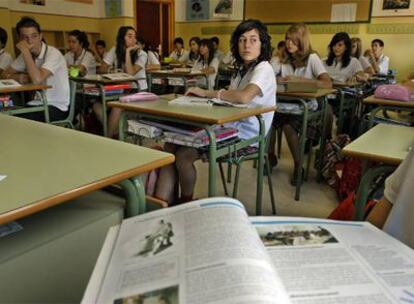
(152, 59)
(198, 65)
(399, 191)
(181, 56)
(263, 76)
(52, 60)
(339, 74)
(383, 64)
(364, 62)
(276, 65)
(86, 59)
(312, 70)
(5, 59)
(111, 60)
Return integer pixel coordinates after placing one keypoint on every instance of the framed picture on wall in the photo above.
(34, 2)
(392, 8)
(222, 9)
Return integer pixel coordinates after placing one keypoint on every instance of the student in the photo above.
(228, 59)
(339, 64)
(79, 55)
(357, 53)
(127, 57)
(253, 84)
(152, 57)
(194, 51)
(179, 54)
(300, 63)
(207, 63)
(40, 63)
(217, 52)
(378, 60)
(5, 58)
(100, 51)
(277, 59)
(394, 211)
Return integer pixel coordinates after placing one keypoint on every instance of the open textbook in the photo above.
(210, 251)
(193, 100)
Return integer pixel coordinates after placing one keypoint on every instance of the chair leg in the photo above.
(229, 169)
(279, 141)
(236, 180)
(269, 180)
(223, 180)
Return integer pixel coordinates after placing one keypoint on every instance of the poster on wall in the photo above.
(34, 2)
(222, 9)
(392, 8)
(113, 8)
(395, 4)
(197, 10)
(82, 1)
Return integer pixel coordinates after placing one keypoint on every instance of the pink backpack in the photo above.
(393, 91)
(141, 96)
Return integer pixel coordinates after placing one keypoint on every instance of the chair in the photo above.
(68, 121)
(238, 160)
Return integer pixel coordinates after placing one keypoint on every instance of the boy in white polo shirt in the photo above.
(39, 63)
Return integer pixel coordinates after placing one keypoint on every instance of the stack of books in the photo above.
(182, 134)
(113, 89)
(6, 102)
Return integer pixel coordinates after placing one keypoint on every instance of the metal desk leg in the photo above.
(149, 77)
(341, 112)
(362, 194)
(104, 116)
(259, 189)
(122, 126)
(212, 164)
(45, 106)
(323, 138)
(135, 196)
(302, 142)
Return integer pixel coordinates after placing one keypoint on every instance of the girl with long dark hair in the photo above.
(207, 62)
(79, 55)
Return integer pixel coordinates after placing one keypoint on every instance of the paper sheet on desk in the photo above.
(2, 177)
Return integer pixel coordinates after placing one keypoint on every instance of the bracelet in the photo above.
(219, 93)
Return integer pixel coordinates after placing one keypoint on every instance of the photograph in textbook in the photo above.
(167, 295)
(295, 236)
(158, 240)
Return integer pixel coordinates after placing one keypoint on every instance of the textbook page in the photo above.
(323, 261)
(201, 252)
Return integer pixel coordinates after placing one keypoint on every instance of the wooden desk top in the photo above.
(383, 143)
(195, 113)
(99, 79)
(388, 102)
(24, 88)
(318, 94)
(46, 165)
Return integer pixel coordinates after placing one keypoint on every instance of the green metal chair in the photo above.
(68, 121)
(238, 160)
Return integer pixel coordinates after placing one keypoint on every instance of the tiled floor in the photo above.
(317, 199)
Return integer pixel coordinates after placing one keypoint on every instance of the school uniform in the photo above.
(276, 65)
(342, 74)
(261, 75)
(228, 58)
(152, 59)
(86, 59)
(57, 96)
(181, 56)
(364, 62)
(200, 64)
(111, 60)
(383, 64)
(192, 59)
(312, 70)
(399, 191)
(5, 60)
(219, 54)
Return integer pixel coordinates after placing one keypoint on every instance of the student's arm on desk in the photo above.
(11, 73)
(244, 96)
(130, 67)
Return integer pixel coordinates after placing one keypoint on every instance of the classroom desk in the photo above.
(170, 73)
(386, 144)
(47, 165)
(28, 88)
(205, 117)
(386, 104)
(100, 82)
(302, 98)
